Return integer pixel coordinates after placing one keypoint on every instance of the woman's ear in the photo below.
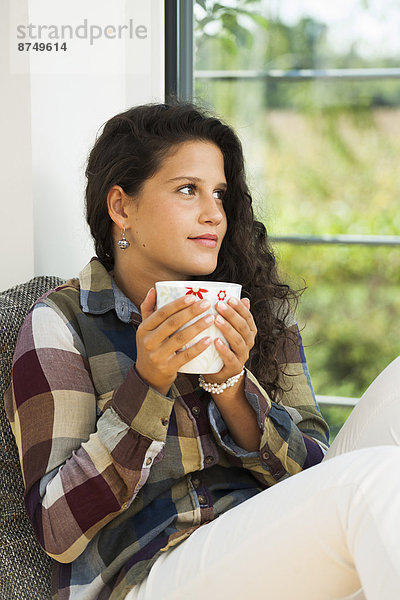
(117, 201)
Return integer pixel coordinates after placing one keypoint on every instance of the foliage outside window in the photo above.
(322, 158)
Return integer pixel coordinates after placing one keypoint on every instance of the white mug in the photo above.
(208, 361)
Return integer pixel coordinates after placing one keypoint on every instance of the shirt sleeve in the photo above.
(69, 457)
(294, 434)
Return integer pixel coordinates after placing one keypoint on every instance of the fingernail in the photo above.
(222, 305)
(220, 320)
(149, 291)
(205, 304)
(233, 301)
(209, 319)
(189, 299)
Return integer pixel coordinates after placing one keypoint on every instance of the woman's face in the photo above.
(182, 201)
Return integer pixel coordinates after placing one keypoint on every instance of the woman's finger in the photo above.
(148, 305)
(170, 331)
(177, 313)
(241, 321)
(244, 311)
(236, 340)
(184, 337)
(158, 316)
(232, 363)
(188, 354)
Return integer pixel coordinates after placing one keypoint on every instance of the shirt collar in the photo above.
(99, 294)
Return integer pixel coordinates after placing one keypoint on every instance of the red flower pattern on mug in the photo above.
(221, 295)
(196, 292)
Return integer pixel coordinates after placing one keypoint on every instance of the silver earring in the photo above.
(123, 242)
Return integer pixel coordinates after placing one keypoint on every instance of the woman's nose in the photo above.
(212, 210)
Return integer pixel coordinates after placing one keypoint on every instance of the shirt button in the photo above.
(209, 460)
(196, 482)
(125, 505)
(196, 410)
(165, 421)
(148, 461)
(202, 499)
(266, 455)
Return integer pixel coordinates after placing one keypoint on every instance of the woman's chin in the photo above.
(203, 271)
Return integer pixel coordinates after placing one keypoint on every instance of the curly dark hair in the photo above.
(131, 149)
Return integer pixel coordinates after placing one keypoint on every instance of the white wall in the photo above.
(16, 212)
(51, 116)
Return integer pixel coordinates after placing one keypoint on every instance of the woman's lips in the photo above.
(205, 242)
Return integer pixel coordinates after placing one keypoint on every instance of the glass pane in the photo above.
(322, 158)
(335, 416)
(349, 314)
(339, 163)
(296, 34)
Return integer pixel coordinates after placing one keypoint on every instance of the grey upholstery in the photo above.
(25, 570)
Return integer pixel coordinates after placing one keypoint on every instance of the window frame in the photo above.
(179, 75)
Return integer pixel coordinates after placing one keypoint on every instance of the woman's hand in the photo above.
(239, 329)
(159, 342)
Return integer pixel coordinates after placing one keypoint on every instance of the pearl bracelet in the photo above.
(218, 388)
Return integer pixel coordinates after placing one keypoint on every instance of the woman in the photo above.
(145, 483)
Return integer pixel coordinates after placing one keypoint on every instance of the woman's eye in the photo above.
(190, 190)
(187, 187)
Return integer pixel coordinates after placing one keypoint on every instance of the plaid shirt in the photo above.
(115, 472)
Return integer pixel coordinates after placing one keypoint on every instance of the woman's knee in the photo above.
(374, 467)
(375, 420)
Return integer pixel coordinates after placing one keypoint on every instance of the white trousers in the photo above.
(331, 532)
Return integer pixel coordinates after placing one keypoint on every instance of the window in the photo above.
(314, 94)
